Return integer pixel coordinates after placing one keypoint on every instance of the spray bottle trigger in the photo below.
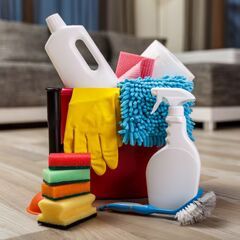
(156, 105)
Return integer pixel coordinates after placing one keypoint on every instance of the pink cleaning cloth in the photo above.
(133, 66)
(142, 69)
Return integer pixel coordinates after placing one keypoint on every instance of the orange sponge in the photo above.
(65, 191)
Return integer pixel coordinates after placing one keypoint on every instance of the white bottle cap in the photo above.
(55, 22)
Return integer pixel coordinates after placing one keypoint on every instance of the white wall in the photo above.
(145, 18)
(162, 18)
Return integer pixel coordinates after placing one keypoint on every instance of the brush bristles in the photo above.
(198, 210)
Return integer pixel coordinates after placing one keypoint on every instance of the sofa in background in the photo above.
(25, 69)
(25, 72)
(217, 85)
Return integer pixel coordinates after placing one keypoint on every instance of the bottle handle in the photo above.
(84, 36)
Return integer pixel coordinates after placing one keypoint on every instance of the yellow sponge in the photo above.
(67, 212)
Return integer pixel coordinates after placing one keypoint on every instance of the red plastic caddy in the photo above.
(127, 181)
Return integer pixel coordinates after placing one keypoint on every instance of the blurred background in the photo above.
(205, 35)
(187, 24)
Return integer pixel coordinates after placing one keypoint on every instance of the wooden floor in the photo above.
(23, 154)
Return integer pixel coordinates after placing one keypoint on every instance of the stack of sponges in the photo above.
(138, 125)
(66, 191)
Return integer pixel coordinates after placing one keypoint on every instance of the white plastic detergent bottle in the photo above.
(173, 172)
(68, 61)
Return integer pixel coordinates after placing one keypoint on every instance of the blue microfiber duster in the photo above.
(138, 125)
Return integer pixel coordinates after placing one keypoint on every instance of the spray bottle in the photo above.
(173, 172)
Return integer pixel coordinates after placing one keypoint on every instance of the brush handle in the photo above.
(135, 208)
(128, 208)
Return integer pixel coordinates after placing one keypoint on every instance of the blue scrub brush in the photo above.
(138, 126)
(194, 211)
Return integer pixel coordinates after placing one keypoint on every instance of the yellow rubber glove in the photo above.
(92, 120)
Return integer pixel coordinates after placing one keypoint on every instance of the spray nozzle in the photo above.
(173, 96)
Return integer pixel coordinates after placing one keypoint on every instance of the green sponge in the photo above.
(57, 177)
